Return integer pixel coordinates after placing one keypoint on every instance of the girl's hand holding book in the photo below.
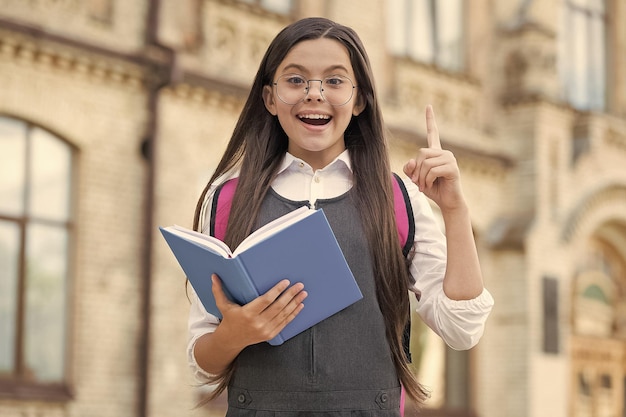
(263, 318)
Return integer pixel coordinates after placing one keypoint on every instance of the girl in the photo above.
(311, 133)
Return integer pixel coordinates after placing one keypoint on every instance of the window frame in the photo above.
(403, 48)
(262, 5)
(14, 384)
(569, 72)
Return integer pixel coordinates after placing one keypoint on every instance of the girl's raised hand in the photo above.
(261, 319)
(435, 170)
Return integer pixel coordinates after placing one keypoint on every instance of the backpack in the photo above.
(223, 198)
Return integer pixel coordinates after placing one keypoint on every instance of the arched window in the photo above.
(36, 190)
(598, 342)
(600, 291)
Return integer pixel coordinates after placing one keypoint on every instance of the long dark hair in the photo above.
(257, 146)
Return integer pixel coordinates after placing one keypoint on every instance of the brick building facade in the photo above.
(113, 114)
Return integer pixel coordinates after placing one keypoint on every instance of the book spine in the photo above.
(252, 292)
(248, 290)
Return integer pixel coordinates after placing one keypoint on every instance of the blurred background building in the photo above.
(113, 114)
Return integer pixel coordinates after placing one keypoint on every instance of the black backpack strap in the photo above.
(406, 224)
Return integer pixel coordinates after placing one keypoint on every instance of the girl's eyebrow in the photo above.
(300, 68)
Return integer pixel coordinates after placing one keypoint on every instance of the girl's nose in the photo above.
(314, 93)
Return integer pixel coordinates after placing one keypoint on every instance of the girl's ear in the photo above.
(359, 106)
(268, 99)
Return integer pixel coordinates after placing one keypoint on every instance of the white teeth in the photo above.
(314, 116)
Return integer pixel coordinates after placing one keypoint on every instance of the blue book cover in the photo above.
(299, 246)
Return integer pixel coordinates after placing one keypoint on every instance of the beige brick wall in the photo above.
(104, 119)
(83, 20)
(515, 154)
(192, 136)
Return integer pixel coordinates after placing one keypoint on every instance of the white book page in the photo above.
(215, 245)
(273, 227)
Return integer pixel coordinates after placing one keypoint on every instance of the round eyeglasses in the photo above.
(337, 90)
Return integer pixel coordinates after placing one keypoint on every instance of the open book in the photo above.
(299, 246)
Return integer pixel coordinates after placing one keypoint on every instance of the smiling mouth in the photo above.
(315, 119)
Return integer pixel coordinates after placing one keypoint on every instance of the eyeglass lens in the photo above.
(337, 90)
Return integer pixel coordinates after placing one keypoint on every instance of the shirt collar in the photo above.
(291, 162)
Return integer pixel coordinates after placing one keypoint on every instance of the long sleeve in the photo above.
(460, 323)
(199, 323)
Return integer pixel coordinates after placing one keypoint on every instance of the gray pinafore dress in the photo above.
(339, 367)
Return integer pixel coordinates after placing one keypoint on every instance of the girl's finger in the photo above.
(285, 309)
(221, 301)
(432, 133)
(433, 167)
(410, 170)
(288, 300)
(265, 300)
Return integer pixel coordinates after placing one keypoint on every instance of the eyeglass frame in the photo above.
(308, 88)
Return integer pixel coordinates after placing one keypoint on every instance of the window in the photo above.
(583, 53)
(550, 315)
(35, 238)
(275, 6)
(429, 31)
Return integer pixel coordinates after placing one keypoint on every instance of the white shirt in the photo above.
(460, 323)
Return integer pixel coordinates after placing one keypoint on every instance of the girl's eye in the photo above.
(296, 80)
(333, 81)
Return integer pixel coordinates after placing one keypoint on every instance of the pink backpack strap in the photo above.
(220, 209)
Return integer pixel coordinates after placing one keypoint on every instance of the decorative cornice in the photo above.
(202, 94)
(28, 45)
(527, 26)
(71, 57)
(510, 100)
(451, 76)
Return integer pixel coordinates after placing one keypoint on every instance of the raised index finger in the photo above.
(432, 134)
